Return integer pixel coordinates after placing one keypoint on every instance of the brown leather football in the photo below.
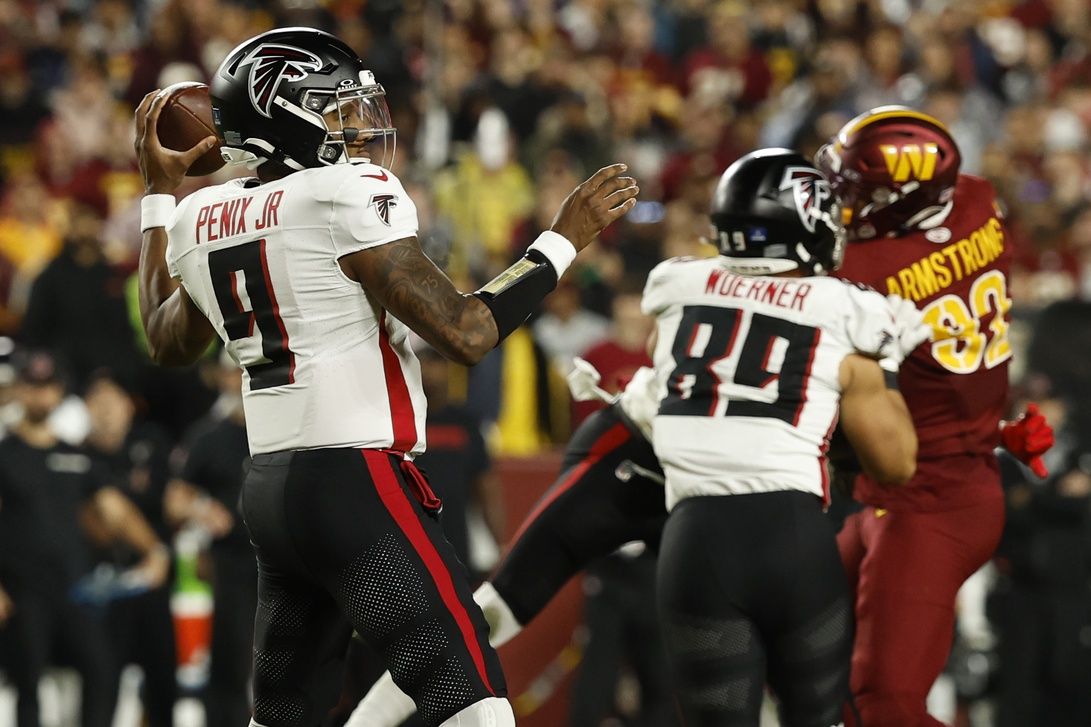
(185, 120)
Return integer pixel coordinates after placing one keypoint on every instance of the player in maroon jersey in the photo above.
(920, 230)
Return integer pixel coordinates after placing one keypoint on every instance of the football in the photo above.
(186, 118)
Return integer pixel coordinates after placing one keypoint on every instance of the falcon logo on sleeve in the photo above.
(810, 189)
(269, 65)
(382, 204)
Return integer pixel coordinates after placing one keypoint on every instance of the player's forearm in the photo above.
(888, 452)
(877, 423)
(457, 325)
(404, 281)
(156, 286)
(460, 327)
(903, 437)
(168, 326)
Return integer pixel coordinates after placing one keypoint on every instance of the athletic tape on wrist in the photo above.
(556, 249)
(514, 294)
(156, 210)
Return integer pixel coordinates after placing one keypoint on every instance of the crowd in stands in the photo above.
(501, 107)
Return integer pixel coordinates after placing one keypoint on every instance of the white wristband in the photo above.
(156, 210)
(557, 250)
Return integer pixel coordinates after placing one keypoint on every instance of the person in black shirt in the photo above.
(207, 493)
(77, 305)
(134, 456)
(457, 459)
(47, 489)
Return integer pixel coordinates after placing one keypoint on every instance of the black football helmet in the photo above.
(773, 211)
(300, 97)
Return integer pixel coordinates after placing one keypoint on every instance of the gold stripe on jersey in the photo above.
(940, 269)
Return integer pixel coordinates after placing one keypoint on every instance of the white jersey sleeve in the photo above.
(371, 208)
(640, 399)
(655, 297)
(869, 327)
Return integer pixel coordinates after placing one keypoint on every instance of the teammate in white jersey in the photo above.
(311, 274)
(755, 354)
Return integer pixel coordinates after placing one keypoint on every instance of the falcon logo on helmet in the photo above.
(382, 204)
(810, 191)
(272, 63)
(772, 211)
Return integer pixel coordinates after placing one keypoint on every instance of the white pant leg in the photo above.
(491, 712)
(385, 705)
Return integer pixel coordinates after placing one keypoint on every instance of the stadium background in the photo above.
(502, 106)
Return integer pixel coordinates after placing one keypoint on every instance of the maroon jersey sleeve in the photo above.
(956, 386)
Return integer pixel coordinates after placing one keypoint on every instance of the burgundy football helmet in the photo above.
(893, 168)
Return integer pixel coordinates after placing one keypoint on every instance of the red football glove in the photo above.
(1028, 438)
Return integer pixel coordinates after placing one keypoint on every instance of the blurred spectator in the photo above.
(133, 456)
(1057, 360)
(22, 107)
(619, 356)
(170, 40)
(457, 462)
(206, 496)
(565, 329)
(729, 69)
(28, 229)
(1042, 603)
(50, 493)
(501, 107)
(12, 298)
(77, 305)
(623, 673)
(485, 195)
(812, 109)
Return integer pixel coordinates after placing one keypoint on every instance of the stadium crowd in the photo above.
(502, 107)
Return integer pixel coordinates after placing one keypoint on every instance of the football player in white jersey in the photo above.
(312, 276)
(756, 352)
(608, 492)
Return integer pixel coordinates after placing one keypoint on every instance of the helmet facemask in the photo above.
(358, 123)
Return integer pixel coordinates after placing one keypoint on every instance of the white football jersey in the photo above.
(324, 365)
(747, 372)
(639, 400)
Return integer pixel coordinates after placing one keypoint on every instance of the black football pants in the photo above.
(751, 590)
(588, 513)
(343, 543)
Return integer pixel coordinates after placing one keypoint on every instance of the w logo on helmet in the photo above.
(912, 160)
(810, 191)
(269, 65)
(382, 204)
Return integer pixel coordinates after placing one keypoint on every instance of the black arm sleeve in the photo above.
(514, 294)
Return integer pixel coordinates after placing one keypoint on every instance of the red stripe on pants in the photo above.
(403, 420)
(401, 509)
(607, 442)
